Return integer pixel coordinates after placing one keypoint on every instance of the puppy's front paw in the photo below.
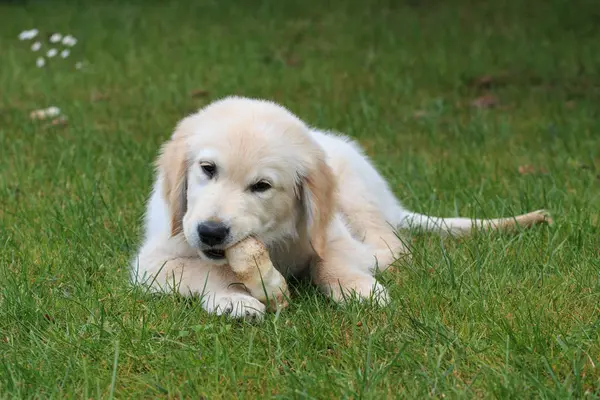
(236, 305)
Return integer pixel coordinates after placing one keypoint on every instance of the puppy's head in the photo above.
(243, 167)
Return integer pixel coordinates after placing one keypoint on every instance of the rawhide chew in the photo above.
(250, 262)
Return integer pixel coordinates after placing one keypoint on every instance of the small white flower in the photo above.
(69, 40)
(65, 53)
(40, 62)
(52, 111)
(44, 113)
(78, 65)
(36, 46)
(51, 53)
(26, 35)
(55, 38)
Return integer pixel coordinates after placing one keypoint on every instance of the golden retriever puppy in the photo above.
(242, 168)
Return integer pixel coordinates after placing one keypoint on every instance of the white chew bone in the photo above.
(249, 260)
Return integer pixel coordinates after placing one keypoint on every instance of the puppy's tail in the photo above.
(464, 226)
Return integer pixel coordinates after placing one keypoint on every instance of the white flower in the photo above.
(65, 53)
(69, 40)
(55, 38)
(44, 113)
(51, 53)
(78, 65)
(40, 62)
(52, 111)
(36, 46)
(26, 35)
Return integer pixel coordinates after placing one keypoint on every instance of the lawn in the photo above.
(476, 108)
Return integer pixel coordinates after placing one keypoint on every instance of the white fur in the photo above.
(361, 234)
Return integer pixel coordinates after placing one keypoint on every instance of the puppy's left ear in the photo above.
(172, 165)
(319, 198)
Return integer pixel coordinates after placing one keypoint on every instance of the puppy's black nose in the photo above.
(212, 233)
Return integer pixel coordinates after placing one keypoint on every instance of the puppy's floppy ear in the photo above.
(172, 164)
(318, 198)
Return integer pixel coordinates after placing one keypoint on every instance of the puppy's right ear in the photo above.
(172, 165)
(319, 191)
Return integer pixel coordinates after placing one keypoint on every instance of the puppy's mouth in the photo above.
(214, 254)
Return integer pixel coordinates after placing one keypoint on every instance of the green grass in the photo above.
(488, 316)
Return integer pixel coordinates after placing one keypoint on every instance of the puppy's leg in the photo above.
(367, 224)
(164, 268)
(344, 269)
(360, 202)
(386, 246)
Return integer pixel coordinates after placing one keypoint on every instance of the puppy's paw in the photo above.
(363, 290)
(235, 305)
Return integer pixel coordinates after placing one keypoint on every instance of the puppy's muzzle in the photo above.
(213, 233)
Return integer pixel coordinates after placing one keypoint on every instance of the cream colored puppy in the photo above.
(242, 168)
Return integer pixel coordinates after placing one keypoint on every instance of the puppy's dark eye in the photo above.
(209, 169)
(260, 186)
